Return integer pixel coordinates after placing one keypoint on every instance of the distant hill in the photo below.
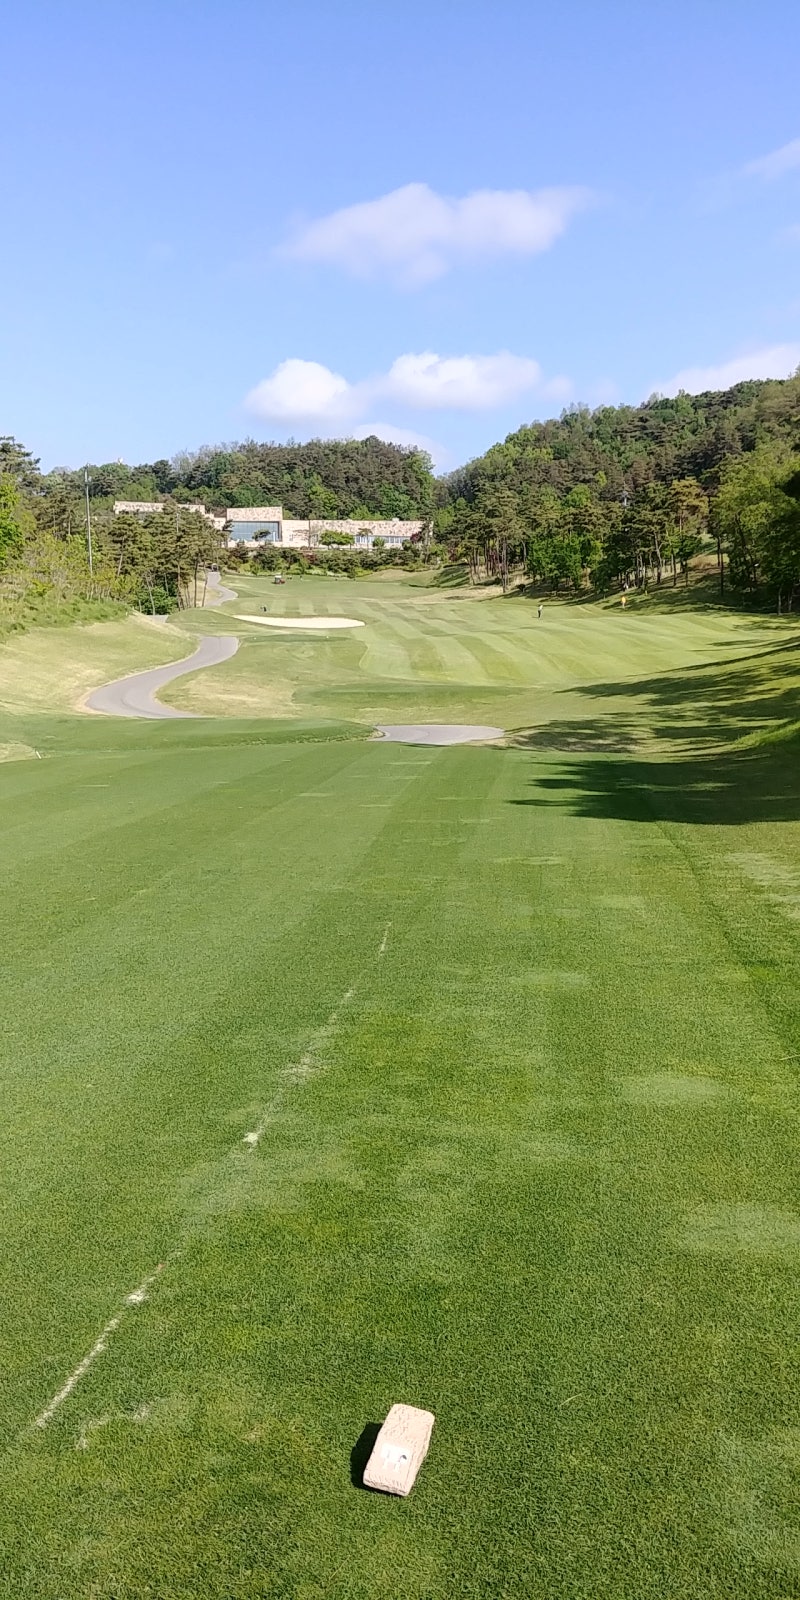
(621, 449)
(614, 496)
(324, 478)
(623, 494)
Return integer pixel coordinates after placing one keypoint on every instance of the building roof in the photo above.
(143, 506)
(255, 514)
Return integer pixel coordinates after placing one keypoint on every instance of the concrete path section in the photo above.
(134, 696)
(438, 732)
(220, 593)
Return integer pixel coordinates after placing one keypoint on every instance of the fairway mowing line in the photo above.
(135, 1298)
(303, 1069)
(781, 883)
(309, 1063)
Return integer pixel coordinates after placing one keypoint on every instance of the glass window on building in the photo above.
(270, 532)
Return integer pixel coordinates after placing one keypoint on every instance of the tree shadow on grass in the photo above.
(722, 789)
(613, 736)
(701, 595)
(718, 744)
(694, 712)
(724, 700)
(453, 576)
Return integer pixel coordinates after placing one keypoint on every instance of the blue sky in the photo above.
(438, 220)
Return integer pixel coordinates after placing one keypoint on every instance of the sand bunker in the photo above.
(313, 624)
(437, 732)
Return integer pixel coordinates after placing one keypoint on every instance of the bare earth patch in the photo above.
(14, 751)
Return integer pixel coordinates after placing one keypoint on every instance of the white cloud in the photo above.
(776, 164)
(459, 383)
(300, 390)
(773, 361)
(558, 388)
(415, 235)
(305, 391)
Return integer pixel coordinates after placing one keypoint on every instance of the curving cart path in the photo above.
(221, 594)
(135, 696)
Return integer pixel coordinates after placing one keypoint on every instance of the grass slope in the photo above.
(52, 669)
(518, 1031)
(426, 654)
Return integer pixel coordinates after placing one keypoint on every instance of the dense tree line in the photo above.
(51, 548)
(334, 478)
(328, 558)
(622, 495)
(756, 515)
(154, 562)
(628, 494)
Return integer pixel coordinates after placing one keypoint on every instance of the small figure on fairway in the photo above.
(541, 609)
(624, 601)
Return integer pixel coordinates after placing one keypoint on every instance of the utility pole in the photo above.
(88, 521)
(178, 556)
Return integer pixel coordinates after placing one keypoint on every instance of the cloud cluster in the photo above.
(307, 392)
(300, 391)
(414, 235)
(776, 164)
(458, 383)
(772, 361)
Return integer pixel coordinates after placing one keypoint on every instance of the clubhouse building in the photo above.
(257, 525)
(254, 526)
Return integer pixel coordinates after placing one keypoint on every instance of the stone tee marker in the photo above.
(399, 1450)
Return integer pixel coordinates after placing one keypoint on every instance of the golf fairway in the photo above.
(460, 1077)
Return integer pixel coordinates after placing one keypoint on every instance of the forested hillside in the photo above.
(620, 496)
(629, 493)
(324, 478)
(49, 567)
(631, 446)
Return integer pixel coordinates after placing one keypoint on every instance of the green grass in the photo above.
(54, 668)
(537, 1171)
(31, 610)
(429, 654)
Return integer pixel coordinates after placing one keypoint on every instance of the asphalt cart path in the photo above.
(221, 595)
(135, 696)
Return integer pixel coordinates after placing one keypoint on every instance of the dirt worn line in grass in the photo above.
(308, 1064)
(300, 1071)
(135, 1298)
